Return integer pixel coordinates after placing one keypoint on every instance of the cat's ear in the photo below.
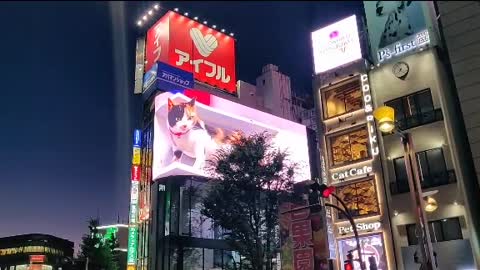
(192, 102)
(170, 104)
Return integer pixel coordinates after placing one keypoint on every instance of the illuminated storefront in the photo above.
(349, 144)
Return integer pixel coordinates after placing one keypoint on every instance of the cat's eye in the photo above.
(178, 119)
(190, 117)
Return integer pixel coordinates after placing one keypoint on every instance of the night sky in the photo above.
(66, 102)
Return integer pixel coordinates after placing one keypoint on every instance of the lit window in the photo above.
(349, 147)
(343, 98)
(360, 198)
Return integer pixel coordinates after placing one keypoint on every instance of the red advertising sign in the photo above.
(193, 47)
(136, 173)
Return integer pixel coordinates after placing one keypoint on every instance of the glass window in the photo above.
(440, 231)
(349, 147)
(193, 258)
(360, 198)
(432, 167)
(413, 110)
(343, 99)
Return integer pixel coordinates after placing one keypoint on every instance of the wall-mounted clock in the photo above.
(400, 70)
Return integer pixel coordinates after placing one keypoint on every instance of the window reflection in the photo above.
(349, 147)
(360, 198)
(343, 99)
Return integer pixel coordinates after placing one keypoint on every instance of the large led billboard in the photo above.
(398, 27)
(190, 126)
(336, 44)
(193, 47)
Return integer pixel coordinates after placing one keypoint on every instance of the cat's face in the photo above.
(182, 116)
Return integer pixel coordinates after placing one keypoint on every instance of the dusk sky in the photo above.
(67, 106)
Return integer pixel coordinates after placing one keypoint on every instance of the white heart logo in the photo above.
(205, 44)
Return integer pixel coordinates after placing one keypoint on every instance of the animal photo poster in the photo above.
(392, 21)
(190, 126)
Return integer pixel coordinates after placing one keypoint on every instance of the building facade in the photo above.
(409, 72)
(35, 252)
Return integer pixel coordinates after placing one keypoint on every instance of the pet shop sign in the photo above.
(193, 47)
(336, 44)
(405, 45)
(370, 226)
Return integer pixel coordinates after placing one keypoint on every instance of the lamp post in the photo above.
(385, 117)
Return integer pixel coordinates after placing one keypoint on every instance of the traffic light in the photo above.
(324, 190)
(348, 264)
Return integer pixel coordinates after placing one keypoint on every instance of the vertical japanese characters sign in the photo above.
(193, 47)
(133, 215)
(297, 248)
(368, 101)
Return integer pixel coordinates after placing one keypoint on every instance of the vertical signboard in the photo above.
(398, 27)
(139, 65)
(195, 48)
(368, 101)
(133, 215)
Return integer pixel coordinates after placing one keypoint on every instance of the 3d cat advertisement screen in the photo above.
(191, 125)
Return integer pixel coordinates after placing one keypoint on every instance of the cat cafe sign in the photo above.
(350, 174)
(193, 47)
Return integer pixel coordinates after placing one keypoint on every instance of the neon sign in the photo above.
(354, 172)
(367, 100)
(405, 45)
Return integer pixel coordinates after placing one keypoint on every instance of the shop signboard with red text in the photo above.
(193, 47)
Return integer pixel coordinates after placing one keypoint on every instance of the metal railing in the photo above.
(428, 181)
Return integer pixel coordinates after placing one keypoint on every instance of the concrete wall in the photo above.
(460, 27)
(425, 72)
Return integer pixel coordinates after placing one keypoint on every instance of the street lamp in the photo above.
(385, 117)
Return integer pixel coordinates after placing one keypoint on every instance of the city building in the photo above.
(348, 143)
(166, 229)
(35, 252)
(408, 72)
(120, 232)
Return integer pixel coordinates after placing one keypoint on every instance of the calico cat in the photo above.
(188, 133)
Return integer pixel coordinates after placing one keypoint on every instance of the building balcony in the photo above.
(420, 119)
(428, 181)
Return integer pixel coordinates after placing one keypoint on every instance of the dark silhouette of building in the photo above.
(35, 252)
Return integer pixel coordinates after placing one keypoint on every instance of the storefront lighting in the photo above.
(214, 26)
(175, 9)
(205, 22)
(385, 116)
(223, 30)
(145, 18)
(139, 23)
(455, 203)
(232, 34)
(156, 6)
(150, 12)
(395, 213)
(186, 13)
(431, 205)
(195, 18)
